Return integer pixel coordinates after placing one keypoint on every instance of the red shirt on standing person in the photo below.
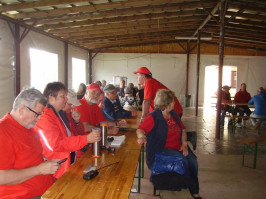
(150, 89)
(151, 86)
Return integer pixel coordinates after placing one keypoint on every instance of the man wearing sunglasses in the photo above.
(23, 171)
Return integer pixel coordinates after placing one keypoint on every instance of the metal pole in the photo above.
(17, 57)
(66, 63)
(188, 53)
(198, 70)
(220, 70)
(90, 66)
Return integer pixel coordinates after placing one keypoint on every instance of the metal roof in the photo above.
(103, 24)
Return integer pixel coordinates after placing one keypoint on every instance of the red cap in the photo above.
(93, 86)
(143, 70)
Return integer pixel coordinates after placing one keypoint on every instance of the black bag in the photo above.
(171, 181)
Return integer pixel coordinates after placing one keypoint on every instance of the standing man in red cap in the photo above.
(151, 86)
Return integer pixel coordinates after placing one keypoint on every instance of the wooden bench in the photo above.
(184, 194)
(262, 120)
(251, 144)
(234, 120)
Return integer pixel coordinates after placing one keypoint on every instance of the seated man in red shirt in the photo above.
(151, 86)
(23, 171)
(242, 96)
(91, 114)
(57, 139)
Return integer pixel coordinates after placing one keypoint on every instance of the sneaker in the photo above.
(238, 125)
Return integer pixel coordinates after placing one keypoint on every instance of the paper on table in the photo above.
(118, 140)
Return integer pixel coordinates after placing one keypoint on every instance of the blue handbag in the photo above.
(167, 163)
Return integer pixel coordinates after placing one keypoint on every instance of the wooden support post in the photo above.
(66, 63)
(220, 70)
(187, 71)
(90, 66)
(198, 71)
(17, 57)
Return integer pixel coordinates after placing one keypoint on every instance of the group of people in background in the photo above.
(243, 99)
(44, 128)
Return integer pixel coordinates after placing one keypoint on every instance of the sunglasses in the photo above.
(37, 114)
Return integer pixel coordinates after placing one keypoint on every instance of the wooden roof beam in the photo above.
(92, 8)
(115, 20)
(120, 12)
(130, 30)
(128, 34)
(214, 10)
(36, 4)
(127, 24)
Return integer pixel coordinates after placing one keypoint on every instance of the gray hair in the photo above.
(29, 97)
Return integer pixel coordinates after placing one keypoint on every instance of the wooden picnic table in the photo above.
(114, 181)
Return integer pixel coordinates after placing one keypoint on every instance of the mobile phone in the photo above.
(62, 161)
(89, 168)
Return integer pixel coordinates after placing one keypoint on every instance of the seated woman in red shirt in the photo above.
(163, 131)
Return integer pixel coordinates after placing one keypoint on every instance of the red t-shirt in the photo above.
(21, 148)
(242, 97)
(90, 113)
(150, 89)
(173, 134)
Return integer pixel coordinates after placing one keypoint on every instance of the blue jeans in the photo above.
(242, 112)
(257, 118)
(191, 166)
(223, 112)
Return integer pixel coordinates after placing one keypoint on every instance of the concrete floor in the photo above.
(221, 174)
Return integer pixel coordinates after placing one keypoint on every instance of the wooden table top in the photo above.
(133, 122)
(113, 182)
(238, 104)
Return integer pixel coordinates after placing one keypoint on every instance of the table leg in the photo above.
(139, 177)
(142, 158)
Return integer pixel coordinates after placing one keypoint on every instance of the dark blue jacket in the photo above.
(109, 110)
(156, 138)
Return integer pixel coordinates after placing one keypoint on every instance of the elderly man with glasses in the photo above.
(23, 171)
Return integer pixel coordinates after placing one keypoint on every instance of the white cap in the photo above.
(72, 97)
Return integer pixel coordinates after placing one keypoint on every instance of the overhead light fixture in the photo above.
(194, 38)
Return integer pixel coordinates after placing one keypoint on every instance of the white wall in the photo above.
(7, 90)
(170, 69)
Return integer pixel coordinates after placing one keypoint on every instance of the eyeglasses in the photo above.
(37, 114)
